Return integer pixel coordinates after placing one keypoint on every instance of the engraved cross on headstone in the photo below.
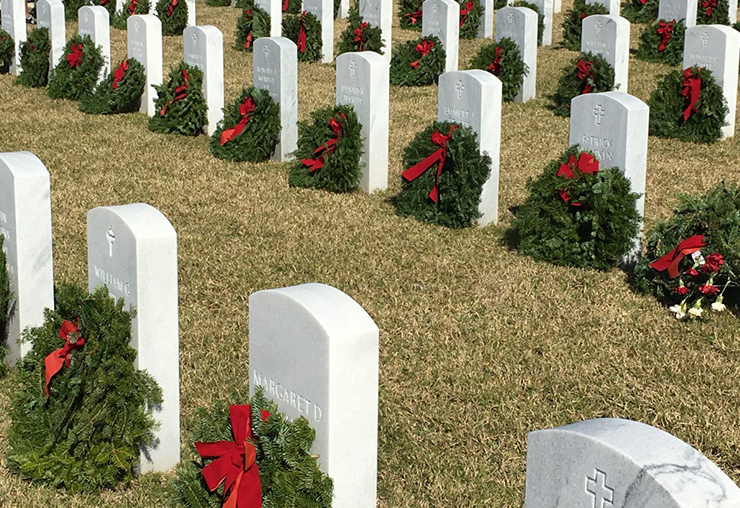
(704, 39)
(460, 87)
(266, 51)
(596, 487)
(510, 18)
(352, 68)
(42, 7)
(86, 16)
(136, 26)
(111, 237)
(434, 9)
(598, 114)
(599, 25)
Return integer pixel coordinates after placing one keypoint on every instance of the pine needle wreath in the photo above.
(503, 60)
(329, 151)
(292, 6)
(499, 4)
(417, 62)
(540, 18)
(360, 35)
(119, 92)
(288, 473)
(458, 183)
(7, 48)
(712, 12)
(662, 41)
(180, 105)
(87, 435)
(218, 3)
(250, 129)
(337, 8)
(587, 219)
(6, 308)
(253, 23)
(77, 73)
(309, 49)
(588, 73)
(572, 23)
(131, 7)
(471, 12)
(669, 104)
(639, 11)
(72, 6)
(174, 16)
(110, 6)
(35, 59)
(409, 14)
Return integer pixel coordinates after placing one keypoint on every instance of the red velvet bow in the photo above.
(665, 30)
(72, 340)
(439, 156)
(302, 38)
(235, 462)
(585, 164)
(74, 59)
(671, 260)
(285, 5)
(495, 66)
(322, 152)
(246, 109)
(180, 92)
(171, 7)
(104, 2)
(691, 90)
(414, 16)
(132, 6)
(359, 35)
(584, 72)
(119, 73)
(465, 11)
(709, 5)
(248, 43)
(423, 48)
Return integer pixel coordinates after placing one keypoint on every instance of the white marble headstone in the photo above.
(546, 8)
(379, 13)
(609, 37)
(275, 9)
(94, 21)
(485, 28)
(610, 463)
(344, 9)
(473, 99)
(717, 48)
(362, 81)
(315, 352)
(678, 10)
(203, 47)
(191, 12)
(324, 12)
(144, 33)
(520, 25)
(132, 250)
(275, 67)
(733, 11)
(557, 6)
(612, 6)
(50, 15)
(25, 222)
(441, 18)
(14, 22)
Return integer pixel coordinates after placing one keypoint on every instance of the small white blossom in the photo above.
(718, 306)
(679, 310)
(695, 312)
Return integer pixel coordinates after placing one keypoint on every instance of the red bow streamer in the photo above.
(359, 35)
(53, 362)
(465, 11)
(322, 152)
(119, 73)
(180, 92)
(423, 48)
(643, 2)
(671, 260)
(584, 72)
(439, 156)
(691, 90)
(171, 7)
(665, 30)
(585, 164)
(246, 109)
(104, 2)
(414, 16)
(495, 66)
(709, 5)
(302, 35)
(248, 43)
(74, 59)
(132, 6)
(235, 462)
(285, 5)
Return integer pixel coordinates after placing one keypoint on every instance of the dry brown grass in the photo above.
(478, 345)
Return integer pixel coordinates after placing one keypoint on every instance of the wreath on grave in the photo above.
(72, 6)
(573, 22)
(174, 16)
(130, 8)
(292, 6)
(218, 3)
(662, 41)
(503, 60)
(640, 11)
(305, 31)
(251, 25)
(409, 14)
(712, 12)
(274, 469)
(540, 18)
(578, 214)
(77, 73)
(471, 12)
(253, 131)
(688, 105)
(444, 177)
(35, 59)
(588, 73)
(417, 62)
(119, 92)
(6, 308)
(329, 151)
(499, 4)
(7, 49)
(690, 259)
(110, 6)
(360, 35)
(180, 105)
(80, 415)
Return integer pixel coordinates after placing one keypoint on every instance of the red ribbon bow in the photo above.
(132, 6)
(691, 90)
(671, 260)
(423, 48)
(248, 43)
(585, 164)
(246, 109)
(180, 92)
(322, 152)
(709, 5)
(495, 66)
(359, 35)
(53, 362)
(285, 5)
(415, 16)
(119, 73)
(74, 59)
(104, 2)
(302, 38)
(439, 156)
(235, 462)
(171, 8)
(465, 11)
(665, 30)
(584, 73)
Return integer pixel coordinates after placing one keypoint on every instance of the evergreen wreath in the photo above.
(253, 131)
(7, 49)
(72, 6)
(503, 59)
(329, 151)
(417, 62)
(499, 4)
(251, 25)
(119, 92)
(444, 177)
(291, 6)
(174, 16)
(337, 8)
(471, 12)
(409, 14)
(662, 41)
(573, 22)
(640, 11)
(83, 427)
(287, 472)
(588, 73)
(305, 30)
(77, 73)
(712, 12)
(35, 59)
(110, 6)
(6, 308)
(180, 105)
(360, 35)
(578, 214)
(131, 7)
(540, 18)
(702, 275)
(218, 3)
(688, 105)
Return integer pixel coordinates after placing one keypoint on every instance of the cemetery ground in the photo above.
(478, 345)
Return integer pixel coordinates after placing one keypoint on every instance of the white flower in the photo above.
(679, 310)
(695, 312)
(718, 306)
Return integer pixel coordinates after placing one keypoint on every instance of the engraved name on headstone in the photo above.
(678, 10)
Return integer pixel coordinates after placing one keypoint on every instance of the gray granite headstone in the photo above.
(609, 37)
(379, 13)
(275, 9)
(25, 222)
(610, 463)
(203, 47)
(14, 22)
(324, 12)
(678, 10)
(144, 32)
(50, 15)
(520, 25)
(546, 8)
(612, 6)
(441, 18)
(94, 21)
